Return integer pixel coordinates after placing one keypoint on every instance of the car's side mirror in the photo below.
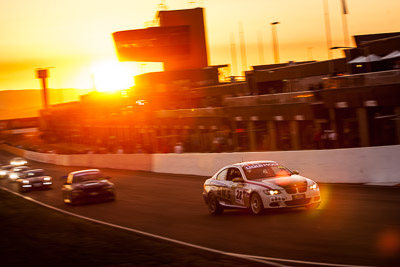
(296, 172)
(238, 180)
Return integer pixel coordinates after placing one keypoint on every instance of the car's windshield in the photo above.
(265, 170)
(87, 176)
(34, 174)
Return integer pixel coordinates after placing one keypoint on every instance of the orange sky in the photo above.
(74, 36)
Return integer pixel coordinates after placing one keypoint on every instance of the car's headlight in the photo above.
(314, 186)
(25, 181)
(272, 192)
(14, 176)
(47, 178)
(3, 172)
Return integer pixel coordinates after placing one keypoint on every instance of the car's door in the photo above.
(222, 185)
(236, 191)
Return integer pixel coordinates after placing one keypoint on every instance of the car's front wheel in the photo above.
(256, 204)
(213, 205)
(21, 189)
(67, 196)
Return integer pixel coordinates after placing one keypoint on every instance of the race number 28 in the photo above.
(239, 195)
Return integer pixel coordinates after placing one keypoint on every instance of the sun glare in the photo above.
(112, 76)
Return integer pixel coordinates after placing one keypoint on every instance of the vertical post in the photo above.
(260, 48)
(45, 94)
(234, 134)
(233, 55)
(328, 29)
(294, 134)
(275, 41)
(272, 133)
(252, 138)
(242, 48)
(43, 74)
(363, 130)
(332, 119)
(344, 21)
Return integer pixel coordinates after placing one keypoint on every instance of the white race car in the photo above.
(18, 161)
(259, 185)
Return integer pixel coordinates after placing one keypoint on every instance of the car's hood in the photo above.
(283, 182)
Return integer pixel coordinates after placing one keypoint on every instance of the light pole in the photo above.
(275, 41)
(328, 28)
(43, 74)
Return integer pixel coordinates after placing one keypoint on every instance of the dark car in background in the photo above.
(34, 179)
(87, 186)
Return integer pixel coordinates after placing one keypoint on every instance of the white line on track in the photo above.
(260, 259)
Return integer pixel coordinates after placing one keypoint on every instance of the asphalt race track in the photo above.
(355, 225)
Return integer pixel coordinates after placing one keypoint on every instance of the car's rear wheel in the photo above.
(256, 204)
(213, 205)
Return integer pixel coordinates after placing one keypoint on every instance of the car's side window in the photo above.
(222, 175)
(234, 173)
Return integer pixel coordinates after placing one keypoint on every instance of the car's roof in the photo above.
(7, 166)
(241, 164)
(83, 171)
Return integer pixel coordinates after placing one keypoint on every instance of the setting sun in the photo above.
(111, 76)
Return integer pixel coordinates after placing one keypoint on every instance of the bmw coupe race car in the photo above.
(33, 179)
(259, 185)
(87, 185)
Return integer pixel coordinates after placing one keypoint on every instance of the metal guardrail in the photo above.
(363, 79)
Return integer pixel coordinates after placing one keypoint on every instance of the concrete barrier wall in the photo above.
(355, 165)
(141, 162)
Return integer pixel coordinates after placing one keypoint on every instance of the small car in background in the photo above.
(87, 186)
(15, 173)
(33, 179)
(259, 185)
(4, 170)
(18, 161)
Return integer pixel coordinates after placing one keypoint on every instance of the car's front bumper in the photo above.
(37, 185)
(285, 200)
(90, 196)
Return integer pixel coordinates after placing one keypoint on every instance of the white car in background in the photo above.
(18, 161)
(259, 185)
(15, 173)
(5, 170)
